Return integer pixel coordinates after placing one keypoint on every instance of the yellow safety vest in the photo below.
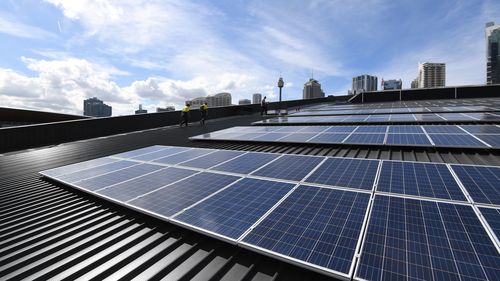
(204, 107)
(185, 109)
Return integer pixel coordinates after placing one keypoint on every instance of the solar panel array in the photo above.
(383, 118)
(482, 136)
(423, 220)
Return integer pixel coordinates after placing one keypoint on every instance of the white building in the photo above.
(312, 90)
(431, 75)
(364, 83)
(256, 98)
(221, 99)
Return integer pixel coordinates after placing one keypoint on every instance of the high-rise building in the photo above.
(197, 102)
(244, 101)
(256, 98)
(414, 83)
(431, 75)
(392, 84)
(312, 90)
(168, 108)
(96, 108)
(221, 99)
(140, 110)
(364, 83)
(492, 53)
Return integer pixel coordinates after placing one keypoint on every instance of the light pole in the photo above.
(280, 85)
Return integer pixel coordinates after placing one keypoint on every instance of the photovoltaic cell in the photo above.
(492, 216)
(443, 129)
(99, 182)
(289, 167)
(341, 129)
(313, 129)
(371, 129)
(139, 186)
(160, 154)
(247, 163)
(174, 198)
(270, 137)
(183, 156)
(419, 179)
(482, 183)
(409, 239)
(456, 140)
(68, 169)
(316, 225)
(408, 139)
(366, 138)
(481, 129)
(328, 138)
(235, 209)
(212, 159)
(493, 140)
(298, 137)
(405, 129)
(96, 171)
(346, 172)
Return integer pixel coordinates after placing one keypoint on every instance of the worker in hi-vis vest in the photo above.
(185, 115)
(204, 113)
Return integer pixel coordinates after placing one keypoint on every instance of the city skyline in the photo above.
(57, 53)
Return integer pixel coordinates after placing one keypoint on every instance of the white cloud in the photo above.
(13, 27)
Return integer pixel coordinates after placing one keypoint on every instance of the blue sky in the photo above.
(55, 53)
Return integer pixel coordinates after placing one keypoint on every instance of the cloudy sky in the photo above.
(56, 53)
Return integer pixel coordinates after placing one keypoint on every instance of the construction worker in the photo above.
(203, 112)
(185, 115)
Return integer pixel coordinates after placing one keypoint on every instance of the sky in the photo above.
(56, 53)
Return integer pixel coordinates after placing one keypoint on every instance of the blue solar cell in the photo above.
(443, 129)
(406, 129)
(68, 169)
(492, 217)
(493, 140)
(247, 163)
(408, 139)
(298, 137)
(138, 186)
(160, 154)
(96, 171)
(183, 156)
(234, 210)
(456, 140)
(212, 159)
(328, 138)
(270, 137)
(174, 198)
(371, 129)
(137, 152)
(316, 225)
(289, 167)
(482, 183)
(346, 173)
(481, 129)
(419, 179)
(341, 129)
(409, 239)
(366, 138)
(101, 181)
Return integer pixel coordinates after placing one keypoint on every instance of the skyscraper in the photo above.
(431, 75)
(392, 84)
(140, 110)
(414, 83)
(312, 90)
(364, 83)
(256, 98)
(96, 108)
(492, 53)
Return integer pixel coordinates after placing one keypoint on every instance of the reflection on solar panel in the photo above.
(289, 167)
(346, 172)
(160, 154)
(328, 138)
(492, 217)
(235, 209)
(183, 156)
(174, 198)
(300, 137)
(247, 163)
(340, 129)
(212, 159)
(456, 140)
(493, 140)
(366, 138)
(96, 171)
(482, 183)
(315, 225)
(371, 129)
(131, 189)
(423, 240)
(407, 139)
(419, 179)
(79, 166)
(140, 151)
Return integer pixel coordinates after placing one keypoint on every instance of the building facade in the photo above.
(492, 53)
(364, 83)
(392, 84)
(140, 110)
(431, 75)
(221, 99)
(312, 90)
(165, 109)
(256, 98)
(244, 101)
(414, 83)
(96, 108)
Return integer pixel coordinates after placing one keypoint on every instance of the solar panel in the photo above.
(456, 140)
(443, 129)
(290, 129)
(247, 163)
(289, 167)
(298, 137)
(137, 152)
(160, 154)
(492, 140)
(183, 156)
(101, 181)
(328, 138)
(419, 179)
(341, 129)
(371, 129)
(139, 186)
(68, 169)
(409, 239)
(316, 225)
(313, 129)
(482, 183)
(212, 159)
(492, 217)
(174, 198)
(407, 139)
(95, 171)
(409, 129)
(345, 172)
(270, 137)
(481, 129)
(366, 138)
(235, 209)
